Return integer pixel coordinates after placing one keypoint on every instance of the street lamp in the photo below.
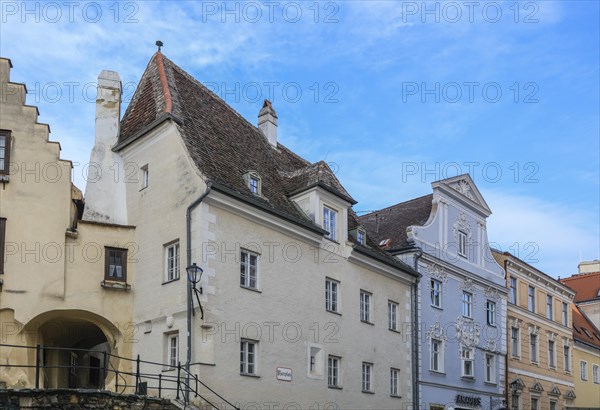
(194, 275)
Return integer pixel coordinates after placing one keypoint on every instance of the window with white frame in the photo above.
(329, 223)
(583, 370)
(535, 403)
(333, 371)
(436, 293)
(361, 236)
(466, 357)
(144, 177)
(513, 290)
(254, 183)
(533, 348)
(392, 315)
(367, 375)
(565, 314)
(331, 295)
(567, 358)
(248, 356)
(553, 405)
(462, 244)
(552, 353)
(531, 299)
(490, 368)
(248, 269)
(467, 304)
(515, 402)
(172, 262)
(514, 342)
(173, 350)
(365, 306)
(595, 376)
(549, 308)
(394, 382)
(436, 359)
(490, 309)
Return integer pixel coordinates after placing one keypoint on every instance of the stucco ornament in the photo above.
(464, 188)
(467, 332)
(491, 345)
(437, 272)
(462, 224)
(468, 285)
(435, 331)
(492, 294)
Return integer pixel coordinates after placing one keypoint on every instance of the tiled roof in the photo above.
(391, 223)
(587, 286)
(583, 328)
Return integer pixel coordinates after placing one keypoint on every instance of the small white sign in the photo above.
(284, 374)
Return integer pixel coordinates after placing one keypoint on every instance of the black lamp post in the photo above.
(194, 275)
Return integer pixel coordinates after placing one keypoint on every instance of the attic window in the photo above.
(253, 181)
(586, 332)
(385, 243)
(361, 236)
(577, 330)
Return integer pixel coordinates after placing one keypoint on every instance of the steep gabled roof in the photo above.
(583, 328)
(391, 223)
(222, 143)
(586, 286)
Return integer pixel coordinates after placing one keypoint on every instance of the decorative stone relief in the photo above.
(467, 332)
(551, 336)
(533, 329)
(514, 322)
(437, 272)
(464, 188)
(491, 345)
(435, 331)
(492, 294)
(468, 285)
(462, 224)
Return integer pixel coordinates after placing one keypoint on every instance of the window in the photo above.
(172, 262)
(565, 315)
(436, 293)
(248, 269)
(583, 370)
(514, 341)
(534, 403)
(365, 306)
(567, 358)
(333, 371)
(531, 299)
(248, 357)
(173, 350)
(116, 264)
(436, 362)
(4, 152)
(533, 348)
(315, 362)
(392, 315)
(467, 304)
(254, 184)
(549, 314)
(466, 357)
(367, 371)
(513, 290)
(490, 308)
(490, 368)
(462, 244)
(331, 295)
(514, 403)
(2, 241)
(553, 405)
(329, 223)
(144, 177)
(361, 237)
(394, 382)
(551, 354)
(595, 374)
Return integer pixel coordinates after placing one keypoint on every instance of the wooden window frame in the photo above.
(6, 169)
(107, 276)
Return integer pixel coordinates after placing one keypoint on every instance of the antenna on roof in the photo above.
(159, 44)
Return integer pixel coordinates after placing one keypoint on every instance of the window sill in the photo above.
(334, 240)
(115, 285)
(368, 391)
(395, 331)
(334, 312)
(367, 322)
(170, 281)
(467, 317)
(435, 307)
(249, 288)
(438, 372)
(254, 376)
(491, 325)
(468, 378)
(490, 383)
(169, 369)
(395, 396)
(143, 188)
(335, 387)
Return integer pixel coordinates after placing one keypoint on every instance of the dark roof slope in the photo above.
(223, 144)
(391, 223)
(586, 286)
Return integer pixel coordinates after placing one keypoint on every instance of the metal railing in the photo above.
(144, 379)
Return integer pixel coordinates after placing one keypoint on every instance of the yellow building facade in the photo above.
(586, 360)
(57, 273)
(540, 342)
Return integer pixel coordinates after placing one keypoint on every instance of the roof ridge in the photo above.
(580, 275)
(395, 205)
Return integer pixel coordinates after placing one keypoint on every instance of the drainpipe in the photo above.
(507, 338)
(415, 333)
(188, 227)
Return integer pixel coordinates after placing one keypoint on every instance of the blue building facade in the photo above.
(461, 299)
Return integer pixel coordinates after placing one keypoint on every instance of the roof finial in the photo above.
(159, 44)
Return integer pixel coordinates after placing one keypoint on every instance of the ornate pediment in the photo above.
(463, 188)
(570, 395)
(435, 331)
(435, 271)
(537, 387)
(533, 329)
(517, 384)
(555, 391)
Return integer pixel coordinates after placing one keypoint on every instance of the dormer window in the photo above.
(253, 181)
(329, 223)
(361, 236)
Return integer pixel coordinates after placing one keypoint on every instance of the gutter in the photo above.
(415, 332)
(188, 233)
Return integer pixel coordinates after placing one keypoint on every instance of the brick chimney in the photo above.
(267, 123)
(105, 189)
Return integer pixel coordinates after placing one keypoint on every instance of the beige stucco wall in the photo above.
(588, 392)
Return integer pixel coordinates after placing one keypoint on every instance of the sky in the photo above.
(392, 94)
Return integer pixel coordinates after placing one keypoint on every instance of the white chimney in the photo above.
(267, 122)
(105, 189)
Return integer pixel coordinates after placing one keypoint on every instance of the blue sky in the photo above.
(394, 94)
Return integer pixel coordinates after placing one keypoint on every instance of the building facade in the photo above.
(586, 361)
(55, 290)
(540, 343)
(586, 284)
(461, 295)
